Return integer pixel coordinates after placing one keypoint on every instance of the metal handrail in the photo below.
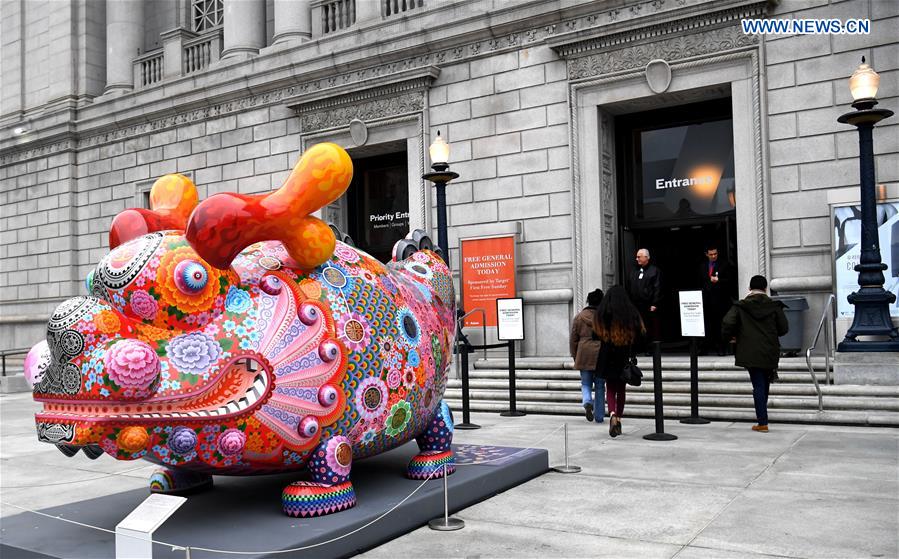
(5, 352)
(460, 321)
(829, 336)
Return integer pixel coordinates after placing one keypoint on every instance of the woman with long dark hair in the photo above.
(618, 326)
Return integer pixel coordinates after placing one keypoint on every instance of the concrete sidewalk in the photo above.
(720, 490)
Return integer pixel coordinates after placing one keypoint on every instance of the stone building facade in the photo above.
(101, 98)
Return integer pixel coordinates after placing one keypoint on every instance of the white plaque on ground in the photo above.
(510, 319)
(691, 319)
(135, 532)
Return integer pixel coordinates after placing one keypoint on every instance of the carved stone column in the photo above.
(124, 41)
(244, 27)
(293, 21)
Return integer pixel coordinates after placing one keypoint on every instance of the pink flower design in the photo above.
(144, 305)
(231, 442)
(394, 379)
(338, 457)
(132, 364)
(346, 254)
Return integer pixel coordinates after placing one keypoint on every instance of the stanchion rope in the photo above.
(110, 474)
(478, 463)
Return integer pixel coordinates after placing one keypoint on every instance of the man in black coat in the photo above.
(757, 322)
(715, 279)
(644, 285)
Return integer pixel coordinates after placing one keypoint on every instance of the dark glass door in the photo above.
(378, 203)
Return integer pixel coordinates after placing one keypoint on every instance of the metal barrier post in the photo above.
(446, 523)
(567, 468)
(660, 434)
(694, 418)
(512, 411)
(464, 350)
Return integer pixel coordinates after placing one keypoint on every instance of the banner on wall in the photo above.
(488, 274)
(847, 223)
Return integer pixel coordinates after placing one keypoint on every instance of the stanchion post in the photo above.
(567, 468)
(694, 418)
(660, 434)
(446, 524)
(464, 350)
(512, 411)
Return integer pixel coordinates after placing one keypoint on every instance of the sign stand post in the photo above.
(692, 323)
(694, 418)
(510, 327)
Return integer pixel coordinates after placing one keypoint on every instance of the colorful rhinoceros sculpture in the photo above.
(239, 337)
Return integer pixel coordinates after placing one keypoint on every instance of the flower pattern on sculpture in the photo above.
(183, 440)
(231, 442)
(144, 305)
(371, 398)
(193, 353)
(167, 283)
(132, 364)
(338, 455)
(355, 331)
(398, 418)
(237, 301)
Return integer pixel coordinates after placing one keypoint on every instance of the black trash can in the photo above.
(791, 343)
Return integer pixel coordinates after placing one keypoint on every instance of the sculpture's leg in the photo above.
(330, 489)
(173, 481)
(436, 447)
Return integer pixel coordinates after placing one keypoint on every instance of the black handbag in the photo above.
(631, 373)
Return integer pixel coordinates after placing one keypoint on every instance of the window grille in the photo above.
(207, 14)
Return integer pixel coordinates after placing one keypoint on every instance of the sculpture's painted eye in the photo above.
(309, 314)
(271, 285)
(308, 427)
(89, 282)
(327, 395)
(328, 351)
(190, 277)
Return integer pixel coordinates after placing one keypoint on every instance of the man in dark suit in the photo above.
(644, 285)
(716, 281)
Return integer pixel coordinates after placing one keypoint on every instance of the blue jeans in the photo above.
(760, 386)
(593, 391)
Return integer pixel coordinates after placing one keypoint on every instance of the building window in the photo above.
(207, 14)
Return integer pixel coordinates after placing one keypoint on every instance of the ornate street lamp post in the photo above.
(872, 301)
(441, 175)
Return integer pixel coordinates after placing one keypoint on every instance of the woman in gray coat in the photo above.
(584, 347)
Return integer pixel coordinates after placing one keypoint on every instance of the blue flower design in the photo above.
(104, 392)
(414, 358)
(241, 331)
(229, 325)
(238, 300)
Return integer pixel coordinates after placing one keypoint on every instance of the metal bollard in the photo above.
(694, 418)
(464, 350)
(567, 468)
(512, 411)
(446, 524)
(660, 434)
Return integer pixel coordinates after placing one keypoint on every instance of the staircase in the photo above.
(551, 386)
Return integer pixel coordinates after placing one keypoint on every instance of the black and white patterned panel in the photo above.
(61, 376)
(116, 278)
(55, 432)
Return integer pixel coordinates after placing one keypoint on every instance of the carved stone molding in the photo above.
(676, 48)
(510, 38)
(370, 110)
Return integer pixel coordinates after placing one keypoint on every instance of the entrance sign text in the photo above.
(488, 274)
(510, 319)
(691, 314)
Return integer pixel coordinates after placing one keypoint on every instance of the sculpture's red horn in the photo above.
(225, 224)
(172, 198)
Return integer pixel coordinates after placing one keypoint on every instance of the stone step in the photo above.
(674, 362)
(735, 375)
(839, 417)
(831, 403)
(14, 383)
(743, 387)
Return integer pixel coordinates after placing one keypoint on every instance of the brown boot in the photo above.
(760, 428)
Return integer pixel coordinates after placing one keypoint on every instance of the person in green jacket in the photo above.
(757, 322)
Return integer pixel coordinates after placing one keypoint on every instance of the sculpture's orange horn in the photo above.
(225, 224)
(172, 198)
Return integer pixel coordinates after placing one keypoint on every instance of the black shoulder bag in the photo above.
(631, 373)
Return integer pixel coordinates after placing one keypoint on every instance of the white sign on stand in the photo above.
(134, 534)
(510, 319)
(692, 322)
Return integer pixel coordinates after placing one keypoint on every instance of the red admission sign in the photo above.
(488, 274)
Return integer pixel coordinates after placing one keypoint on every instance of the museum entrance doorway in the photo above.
(377, 203)
(677, 197)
